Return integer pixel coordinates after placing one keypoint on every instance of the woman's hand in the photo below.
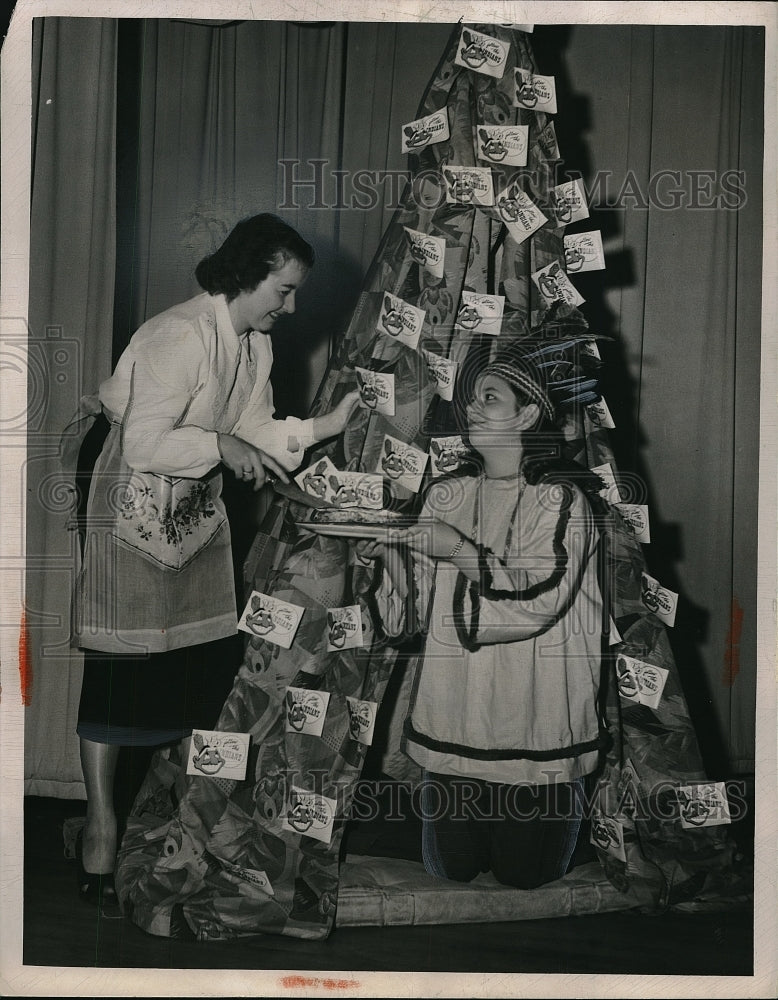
(248, 462)
(333, 422)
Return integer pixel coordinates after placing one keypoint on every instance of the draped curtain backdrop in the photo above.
(152, 138)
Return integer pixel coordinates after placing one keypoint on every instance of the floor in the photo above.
(60, 930)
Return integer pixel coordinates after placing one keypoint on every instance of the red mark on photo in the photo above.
(306, 982)
(732, 644)
(25, 663)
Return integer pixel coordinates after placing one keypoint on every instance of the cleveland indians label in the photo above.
(468, 185)
(481, 53)
(661, 602)
(376, 391)
(547, 141)
(640, 682)
(447, 453)
(635, 518)
(568, 203)
(314, 479)
(309, 814)
(428, 251)
(518, 211)
(608, 834)
(482, 313)
(344, 628)
(424, 131)
(583, 252)
(216, 754)
(361, 719)
(305, 710)
(554, 285)
(598, 416)
(536, 93)
(355, 489)
(400, 320)
(443, 373)
(402, 463)
(271, 619)
(506, 144)
(703, 804)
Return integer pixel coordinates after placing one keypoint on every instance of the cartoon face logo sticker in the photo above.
(445, 459)
(299, 815)
(391, 318)
(417, 252)
(626, 680)
(315, 482)
(368, 394)
(561, 205)
(649, 596)
(417, 135)
(392, 463)
(525, 92)
(461, 185)
(295, 713)
(260, 619)
(549, 286)
(208, 759)
(605, 832)
(473, 50)
(492, 146)
(344, 495)
(509, 207)
(574, 259)
(468, 316)
(338, 631)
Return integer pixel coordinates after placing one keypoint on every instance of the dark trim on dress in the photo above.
(479, 753)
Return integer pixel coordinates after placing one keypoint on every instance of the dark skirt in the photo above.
(158, 699)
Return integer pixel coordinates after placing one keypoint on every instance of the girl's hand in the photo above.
(435, 539)
(248, 462)
(390, 556)
(333, 422)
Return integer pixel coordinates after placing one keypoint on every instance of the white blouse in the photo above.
(185, 376)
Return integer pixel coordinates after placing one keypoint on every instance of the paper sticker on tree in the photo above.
(536, 93)
(447, 454)
(482, 53)
(503, 144)
(423, 131)
(306, 710)
(583, 252)
(271, 619)
(468, 185)
(480, 312)
(521, 215)
(400, 320)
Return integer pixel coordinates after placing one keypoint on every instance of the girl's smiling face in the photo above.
(494, 417)
(259, 308)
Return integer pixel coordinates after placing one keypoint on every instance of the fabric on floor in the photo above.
(385, 892)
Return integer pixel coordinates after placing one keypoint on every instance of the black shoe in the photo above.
(97, 890)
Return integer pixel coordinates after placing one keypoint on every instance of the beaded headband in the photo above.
(522, 380)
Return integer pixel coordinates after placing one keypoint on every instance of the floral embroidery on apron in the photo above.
(167, 519)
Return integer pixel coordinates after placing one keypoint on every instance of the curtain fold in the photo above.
(70, 321)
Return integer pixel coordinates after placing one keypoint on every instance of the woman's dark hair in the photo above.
(254, 248)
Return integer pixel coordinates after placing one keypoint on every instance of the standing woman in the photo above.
(503, 715)
(155, 604)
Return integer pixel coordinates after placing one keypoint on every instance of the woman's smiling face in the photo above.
(260, 308)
